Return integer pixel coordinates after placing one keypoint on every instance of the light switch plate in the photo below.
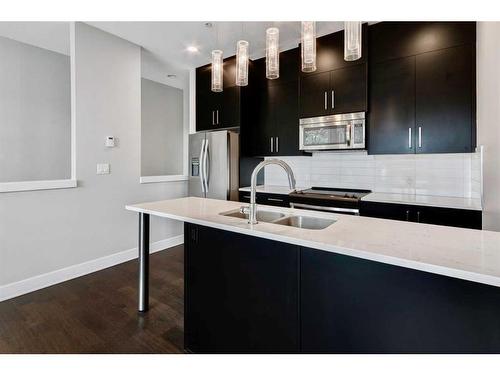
(103, 168)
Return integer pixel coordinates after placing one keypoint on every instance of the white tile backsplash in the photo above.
(453, 175)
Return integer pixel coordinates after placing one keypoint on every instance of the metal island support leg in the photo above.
(143, 262)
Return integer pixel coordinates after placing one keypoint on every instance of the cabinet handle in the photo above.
(407, 215)
(277, 144)
(419, 137)
(275, 199)
(409, 137)
(333, 99)
(418, 216)
(213, 117)
(326, 100)
(272, 144)
(217, 117)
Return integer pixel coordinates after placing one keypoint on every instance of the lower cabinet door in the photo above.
(352, 305)
(241, 293)
(386, 211)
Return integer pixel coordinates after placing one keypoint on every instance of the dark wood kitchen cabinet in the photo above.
(391, 125)
(422, 88)
(353, 305)
(337, 86)
(273, 128)
(240, 299)
(315, 95)
(339, 91)
(330, 51)
(217, 110)
(280, 200)
(452, 217)
(245, 294)
(445, 100)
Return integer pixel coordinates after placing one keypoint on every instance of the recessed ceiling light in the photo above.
(192, 49)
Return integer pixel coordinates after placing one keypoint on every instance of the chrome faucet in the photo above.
(252, 209)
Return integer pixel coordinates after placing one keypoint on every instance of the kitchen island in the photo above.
(359, 285)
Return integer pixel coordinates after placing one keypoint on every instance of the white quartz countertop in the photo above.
(425, 200)
(461, 253)
(413, 199)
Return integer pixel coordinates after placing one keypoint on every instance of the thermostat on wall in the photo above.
(110, 141)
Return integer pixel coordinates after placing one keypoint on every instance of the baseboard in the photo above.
(55, 277)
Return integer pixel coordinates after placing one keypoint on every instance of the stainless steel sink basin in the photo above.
(262, 215)
(305, 222)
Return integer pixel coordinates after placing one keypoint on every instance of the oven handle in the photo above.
(354, 211)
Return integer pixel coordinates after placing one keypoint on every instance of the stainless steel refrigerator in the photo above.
(214, 165)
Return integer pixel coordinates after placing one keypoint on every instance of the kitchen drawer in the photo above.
(280, 200)
(423, 214)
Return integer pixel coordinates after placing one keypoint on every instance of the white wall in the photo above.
(155, 70)
(453, 175)
(44, 231)
(162, 129)
(35, 113)
(488, 117)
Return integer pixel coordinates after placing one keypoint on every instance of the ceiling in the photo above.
(168, 41)
(53, 36)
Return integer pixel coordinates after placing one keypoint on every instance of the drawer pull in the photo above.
(275, 199)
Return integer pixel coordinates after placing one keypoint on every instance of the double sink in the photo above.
(297, 221)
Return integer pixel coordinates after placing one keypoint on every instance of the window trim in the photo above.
(9, 187)
(165, 178)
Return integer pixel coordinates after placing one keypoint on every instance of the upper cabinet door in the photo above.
(445, 100)
(206, 116)
(287, 119)
(390, 40)
(315, 95)
(228, 111)
(263, 122)
(391, 119)
(216, 110)
(348, 89)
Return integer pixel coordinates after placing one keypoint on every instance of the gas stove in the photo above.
(328, 199)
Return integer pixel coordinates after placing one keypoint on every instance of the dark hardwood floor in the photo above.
(97, 313)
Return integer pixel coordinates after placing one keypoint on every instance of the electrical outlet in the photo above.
(103, 168)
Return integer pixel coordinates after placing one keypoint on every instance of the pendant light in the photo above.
(242, 60)
(308, 46)
(272, 53)
(352, 40)
(217, 61)
(217, 70)
(242, 63)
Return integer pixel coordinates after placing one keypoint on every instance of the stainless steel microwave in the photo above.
(345, 131)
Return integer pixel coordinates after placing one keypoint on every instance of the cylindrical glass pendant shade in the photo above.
(242, 63)
(308, 46)
(217, 70)
(272, 53)
(352, 40)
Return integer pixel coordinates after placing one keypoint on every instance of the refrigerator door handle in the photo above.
(206, 168)
(202, 154)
